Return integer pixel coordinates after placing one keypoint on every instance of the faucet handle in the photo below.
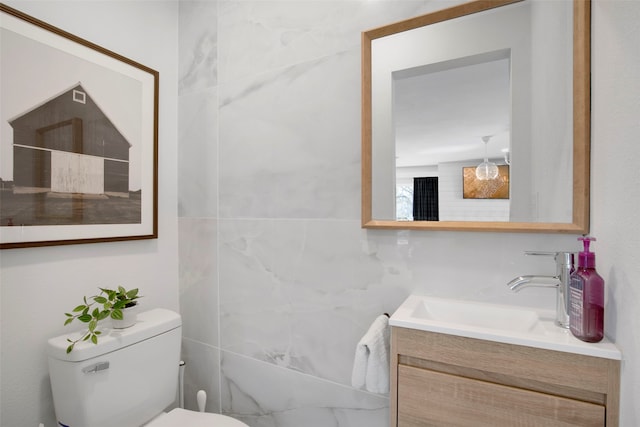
(541, 253)
(563, 258)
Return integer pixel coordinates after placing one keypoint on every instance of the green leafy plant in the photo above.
(107, 304)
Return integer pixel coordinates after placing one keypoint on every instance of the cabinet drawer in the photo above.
(429, 398)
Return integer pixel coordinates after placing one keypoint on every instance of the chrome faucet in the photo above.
(564, 268)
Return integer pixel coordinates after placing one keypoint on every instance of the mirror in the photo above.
(452, 94)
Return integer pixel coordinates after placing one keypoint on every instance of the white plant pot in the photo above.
(129, 318)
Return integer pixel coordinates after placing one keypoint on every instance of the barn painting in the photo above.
(68, 145)
(78, 139)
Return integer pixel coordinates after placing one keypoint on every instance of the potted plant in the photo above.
(109, 303)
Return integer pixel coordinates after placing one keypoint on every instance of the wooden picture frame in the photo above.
(79, 139)
(580, 121)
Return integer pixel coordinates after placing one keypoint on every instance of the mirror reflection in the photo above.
(482, 91)
(445, 118)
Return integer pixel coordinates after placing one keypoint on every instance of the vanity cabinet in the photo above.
(447, 380)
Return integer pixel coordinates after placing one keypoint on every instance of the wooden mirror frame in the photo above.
(581, 125)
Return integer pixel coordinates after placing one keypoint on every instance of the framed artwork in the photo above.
(78, 142)
(474, 188)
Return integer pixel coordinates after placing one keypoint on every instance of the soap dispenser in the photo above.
(586, 293)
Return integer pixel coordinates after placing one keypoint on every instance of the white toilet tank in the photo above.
(125, 380)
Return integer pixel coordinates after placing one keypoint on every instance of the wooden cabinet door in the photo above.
(429, 398)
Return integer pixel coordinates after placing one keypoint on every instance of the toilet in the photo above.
(128, 379)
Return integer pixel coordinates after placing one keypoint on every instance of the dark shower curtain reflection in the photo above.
(425, 199)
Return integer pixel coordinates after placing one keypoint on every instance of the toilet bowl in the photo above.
(127, 380)
(184, 418)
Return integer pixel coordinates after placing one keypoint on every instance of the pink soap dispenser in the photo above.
(586, 296)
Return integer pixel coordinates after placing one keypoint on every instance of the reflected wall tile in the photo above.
(198, 45)
(198, 279)
(290, 142)
(201, 372)
(300, 294)
(258, 36)
(263, 395)
(198, 155)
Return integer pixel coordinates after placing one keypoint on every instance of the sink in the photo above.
(495, 322)
(476, 315)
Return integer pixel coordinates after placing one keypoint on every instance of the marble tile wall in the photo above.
(278, 281)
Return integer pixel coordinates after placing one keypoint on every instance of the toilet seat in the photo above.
(181, 418)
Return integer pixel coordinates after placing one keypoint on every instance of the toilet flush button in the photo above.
(96, 367)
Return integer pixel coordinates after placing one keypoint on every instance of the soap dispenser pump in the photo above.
(586, 309)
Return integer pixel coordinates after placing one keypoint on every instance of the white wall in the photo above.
(616, 184)
(37, 285)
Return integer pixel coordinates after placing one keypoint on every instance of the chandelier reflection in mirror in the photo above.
(486, 170)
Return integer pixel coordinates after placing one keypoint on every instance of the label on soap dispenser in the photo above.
(576, 304)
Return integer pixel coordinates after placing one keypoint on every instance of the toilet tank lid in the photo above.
(150, 323)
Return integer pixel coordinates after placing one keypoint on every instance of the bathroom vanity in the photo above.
(474, 364)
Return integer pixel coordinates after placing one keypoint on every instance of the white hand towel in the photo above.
(371, 364)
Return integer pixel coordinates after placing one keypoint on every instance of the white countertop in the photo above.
(493, 322)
